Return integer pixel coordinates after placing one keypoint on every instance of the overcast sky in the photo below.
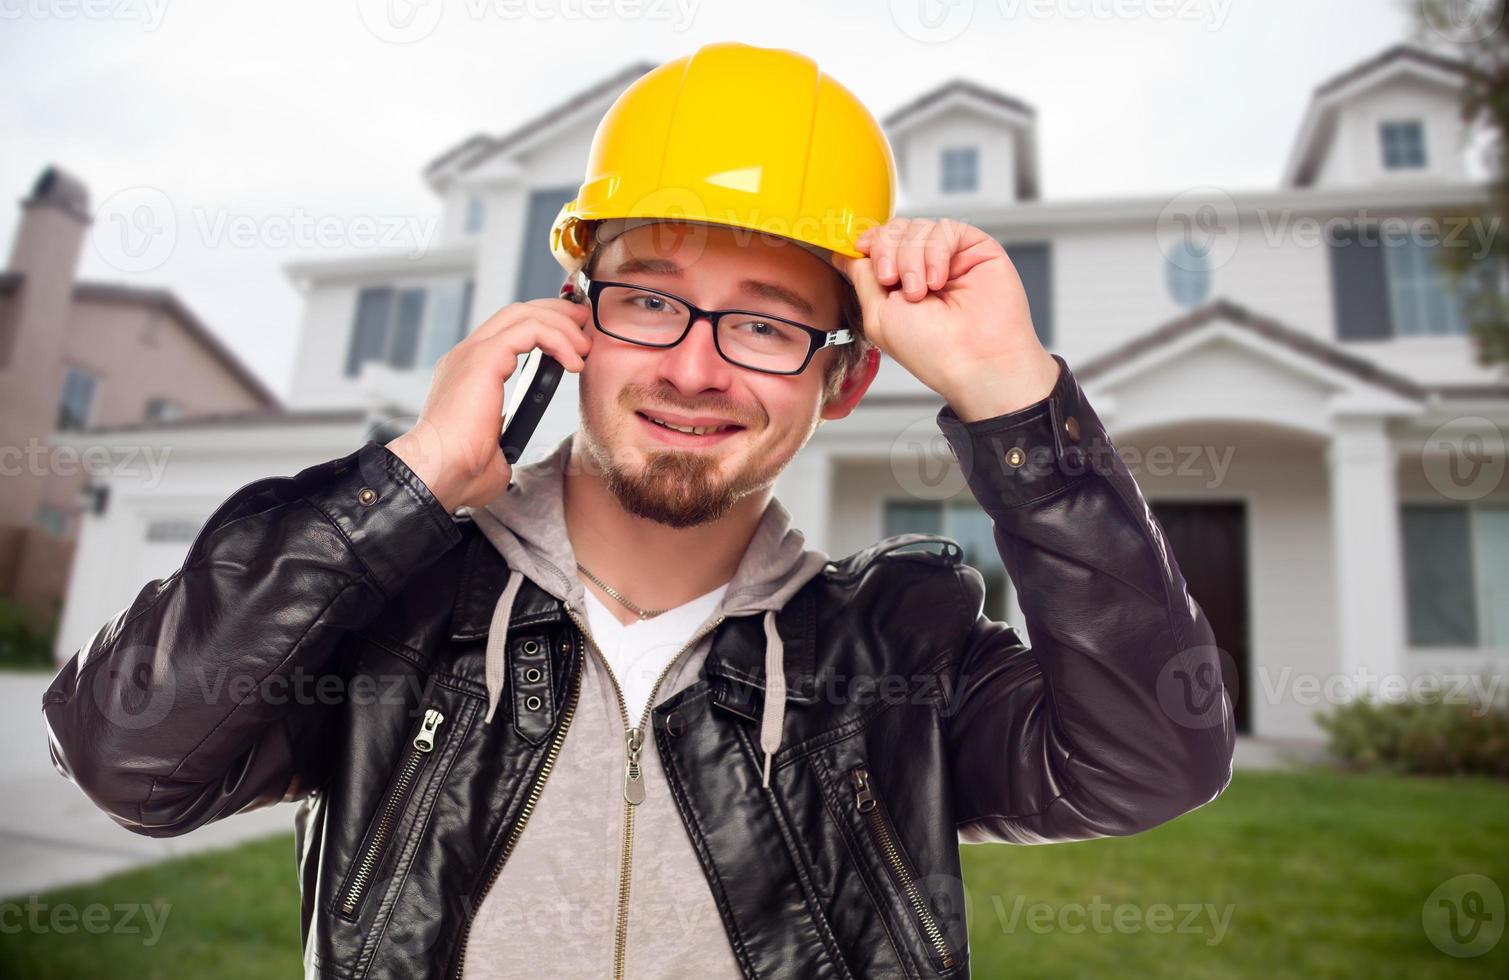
(246, 114)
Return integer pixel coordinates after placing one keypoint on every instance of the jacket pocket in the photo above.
(389, 814)
(883, 834)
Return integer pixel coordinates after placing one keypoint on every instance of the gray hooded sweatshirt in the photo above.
(554, 908)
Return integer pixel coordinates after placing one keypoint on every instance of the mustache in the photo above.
(659, 398)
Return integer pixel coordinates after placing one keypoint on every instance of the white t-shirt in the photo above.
(638, 652)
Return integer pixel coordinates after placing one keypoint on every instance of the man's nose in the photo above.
(694, 364)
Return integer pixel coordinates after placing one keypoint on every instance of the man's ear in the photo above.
(853, 388)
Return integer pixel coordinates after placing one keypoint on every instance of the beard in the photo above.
(677, 488)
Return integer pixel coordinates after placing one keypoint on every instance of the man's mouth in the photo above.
(690, 427)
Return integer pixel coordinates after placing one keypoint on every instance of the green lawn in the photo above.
(1310, 875)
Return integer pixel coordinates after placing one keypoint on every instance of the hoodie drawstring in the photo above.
(497, 639)
(773, 712)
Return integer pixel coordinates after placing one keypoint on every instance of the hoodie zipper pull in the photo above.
(633, 778)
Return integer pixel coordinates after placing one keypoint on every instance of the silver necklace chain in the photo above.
(638, 611)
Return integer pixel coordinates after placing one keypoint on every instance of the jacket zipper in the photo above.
(392, 807)
(524, 813)
(633, 777)
(880, 829)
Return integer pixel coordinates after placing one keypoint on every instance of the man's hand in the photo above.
(453, 447)
(943, 300)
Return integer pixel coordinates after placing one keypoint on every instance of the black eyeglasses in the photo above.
(757, 341)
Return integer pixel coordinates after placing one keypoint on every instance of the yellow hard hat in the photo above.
(735, 135)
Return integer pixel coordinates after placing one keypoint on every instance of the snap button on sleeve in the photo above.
(367, 496)
(1015, 456)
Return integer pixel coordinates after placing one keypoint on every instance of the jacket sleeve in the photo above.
(206, 696)
(1116, 719)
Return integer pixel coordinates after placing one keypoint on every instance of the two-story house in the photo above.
(1300, 405)
(76, 354)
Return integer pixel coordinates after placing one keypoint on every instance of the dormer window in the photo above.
(476, 215)
(1403, 145)
(961, 170)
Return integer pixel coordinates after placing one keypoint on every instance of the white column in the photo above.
(1365, 534)
(805, 488)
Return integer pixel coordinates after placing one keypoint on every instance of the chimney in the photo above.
(34, 310)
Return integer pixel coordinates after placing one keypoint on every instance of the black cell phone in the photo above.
(538, 379)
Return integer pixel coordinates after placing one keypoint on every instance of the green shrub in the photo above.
(24, 644)
(1434, 735)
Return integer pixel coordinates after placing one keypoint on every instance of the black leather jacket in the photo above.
(317, 619)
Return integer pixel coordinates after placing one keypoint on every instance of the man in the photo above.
(626, 722)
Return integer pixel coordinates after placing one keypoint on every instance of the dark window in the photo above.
(1403, 145)
(1438, 576)
(1034, 265)
(163, 410)
(388, 327)
(476, 215)
(406, 328)
(540, 275)
(1396, 285)
(76, 400)
(961, 170)
(369, 337)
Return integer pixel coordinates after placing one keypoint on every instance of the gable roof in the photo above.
(1010, 110)
(1330, 355)
(1397, 53)
(900, 117)
(1319, 124)
(165, 302)
(479, 146)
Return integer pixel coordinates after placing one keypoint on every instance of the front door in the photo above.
(1210, 544)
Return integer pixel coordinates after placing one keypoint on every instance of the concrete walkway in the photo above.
(52, 835)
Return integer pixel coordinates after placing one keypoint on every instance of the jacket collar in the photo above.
(737, 653)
